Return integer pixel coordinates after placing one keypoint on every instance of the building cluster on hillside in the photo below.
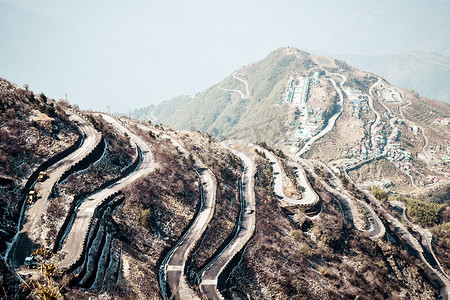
(400, 157)
(431, 180)
(381, 141)
(307, 122)
(389, 95)
(442, 121)
(304, 131)
(317, 76)
(359, 150)
(297, 91)
(357, 101)
(384, 184)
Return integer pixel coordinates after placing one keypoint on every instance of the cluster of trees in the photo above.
(379, 193)
(427, 214)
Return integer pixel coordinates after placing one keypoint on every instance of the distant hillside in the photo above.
(226, 110)
(426, 73)
(250, 103)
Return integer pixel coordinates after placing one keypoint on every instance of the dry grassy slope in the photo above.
(382, 169)
(424, 112)
(227, 169)
(320, 258)
(31, 131)
(165, 109)
(155, 212)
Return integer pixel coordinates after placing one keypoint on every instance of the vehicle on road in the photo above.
(32, 196)
(42, 176)
(248, 210)
(30, 262)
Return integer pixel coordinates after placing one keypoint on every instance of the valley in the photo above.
(297, 177)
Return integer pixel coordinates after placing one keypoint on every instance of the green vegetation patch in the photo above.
(427, 214)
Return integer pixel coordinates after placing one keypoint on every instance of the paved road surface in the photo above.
(174, 263)
(73, 246)
(310, 196)
(208, 285)
(237, 91)
(172, 267)
(426, 235)
(23, 245)
(377, 229)
(412, 241)
(377, 118)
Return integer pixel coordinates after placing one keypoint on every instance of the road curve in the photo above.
(33, 215)
(412, 241)
(246, 85)
(176, 262)
(310, 197)
(425, 234)
(246, 227)
(377, 114)
(173, 265)
(73, 246)
(376, 228)
(238, 91)
(347, 202)
(171, 270)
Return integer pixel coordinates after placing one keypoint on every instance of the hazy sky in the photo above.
(129, 54)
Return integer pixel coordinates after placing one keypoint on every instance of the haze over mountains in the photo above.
(426, 73)
(115, 52)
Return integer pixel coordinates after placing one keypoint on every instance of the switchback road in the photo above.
(73, 246)
(310, 197)
(425, 234)
(377, 114)
(30, 234)
(173, 265)
(210, 275)
(247, 92)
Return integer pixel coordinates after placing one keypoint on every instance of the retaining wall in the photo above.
(79, 197)
(83, 163)
(81, 257)
(97, 223)
(44, 166)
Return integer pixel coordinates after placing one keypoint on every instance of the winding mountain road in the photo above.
(176, 262)
(347, 202)
(309, 196)
(73, 245)
(436, 274)
(377, 114)
(23, 242)
(247, 92)
(376, 228)
(425, 234)
(211, 273)
(171, 273)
